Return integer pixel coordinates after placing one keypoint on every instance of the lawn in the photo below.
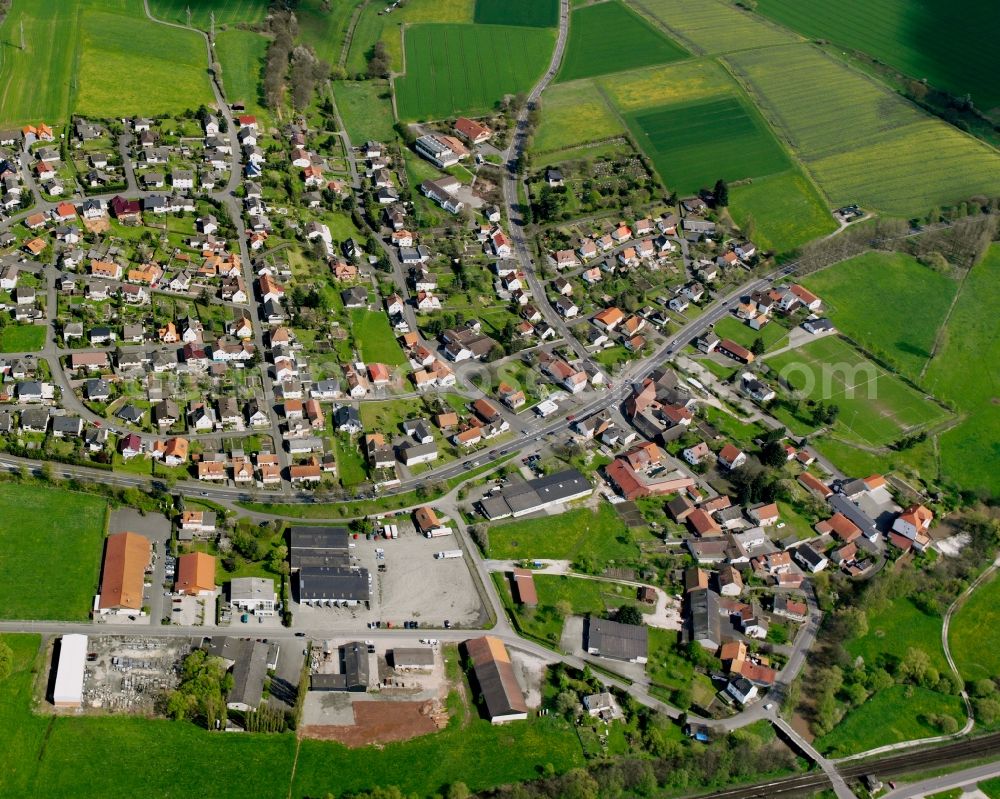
(991, 788)
(531, 13)
(780, 212)
(863, 144)
(875, 406)
(961, 372)
(899, 312)
(896, 714)
(773, 334)
(922, 39)
(241, 54)
(350, 463)
(974, 634)
(465, 69)
(46, 532)
(899, 626)
(366, 108)
(22, 338)
(123, 42)
(227, 12)
(574, 114)
(576, 534)
(693, 144)
(372, 333)
(609, 37)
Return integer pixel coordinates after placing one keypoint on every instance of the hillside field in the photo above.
(366, 108)
(714, 26)
(242, 54)
(920, 38)
(324, 28)
(780, 212)
(227, 12)
(466, 69)
(974, 634)
(608, 37)
(530, 13)
(574, 114)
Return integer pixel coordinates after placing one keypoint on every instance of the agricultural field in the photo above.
(366, 108)
(897, 714)
(922, 39)
(323, 25)
(530, 13)
(609, 37)
(875, 406)
(682, 82)
(125, 43)
(241, 55)
(960, 372)
(715, 26)
(574, 114)
(780, 212)
(899, 312)
(695, 143)
(375, 338)
(66, 540)
(974, 634)
(227, 12)
(863, 144)
(22, 338)
(466, 69)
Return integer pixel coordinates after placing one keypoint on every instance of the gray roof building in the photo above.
(535, 495)
(612, 639)
(704, 619)
(319, 546)
(354, 671)
(323, 584)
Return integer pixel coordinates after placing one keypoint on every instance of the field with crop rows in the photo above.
(693, 144)
(573, 114)
(241, 55)
(466, 69)
(863, 143)
(714, 26)
(780, 212)
(227, 12)
(608, 37)
(926, 39)
(694, 79)
(531, 13)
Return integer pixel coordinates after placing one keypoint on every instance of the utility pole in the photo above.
(189, 16)
(211, 34)
(22, 33)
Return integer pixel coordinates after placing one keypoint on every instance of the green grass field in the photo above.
(974, 633)
(693, 144)
(531, 13)
(22, 338)
(241, 54)
(781, 212)
(323, 25)
(900, 626)
(715, 26)
(962, 373)
(609, 37)
(574, 114)
(898, 314)
(773, 335)
(572, 535)
(227, 12)
(875, 406)
(48, 532)
(921, 39)
(889, 717)
(863, 143)
(991, 788)
(466, 69)
(375, 338)
(366, 108)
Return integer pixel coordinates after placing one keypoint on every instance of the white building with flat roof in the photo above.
(253, 595)
(68, 691)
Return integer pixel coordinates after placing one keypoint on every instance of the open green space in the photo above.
(772, 334)
(974, 633)
(876, 407)
(692, 144)
(22, 338)
(963, 372)
(609, 37)
(574, 114)
(323, 25)
(241, 55)
(863, 143)
(894, 629)
(227, 12)
(715, 26)
(366, 108)
(374, 336)
(465, 69)
(350, 462)
(53, 538)
(897, 314)
(780, 212)
(532, 13)
(574, 535)
(922, 38)
(899, 713)
(991, 787)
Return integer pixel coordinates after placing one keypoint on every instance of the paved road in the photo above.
(966, 779)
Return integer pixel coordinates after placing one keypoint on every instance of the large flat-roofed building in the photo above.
(495, 676)
(68, 690)
(328, 586)
(126, 556)
(319, 546)
(253, 595)
(611, 639)
(535, 495)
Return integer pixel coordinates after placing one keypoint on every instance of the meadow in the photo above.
(681, 82)
(530, 13)
(898, 314)
(323, 25)
(714, 26)
(773, 335)
(863, 143)
(780, 212)
(375, 338)
(896, 628)
(875, 406)
(693, 144)
(60, 549)
(22, 338)
(574, 114)
(467, 69)
(366, 108)
(608, 37)
(923, 39)
(974, 633)
(227, 12)
(241, 55)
